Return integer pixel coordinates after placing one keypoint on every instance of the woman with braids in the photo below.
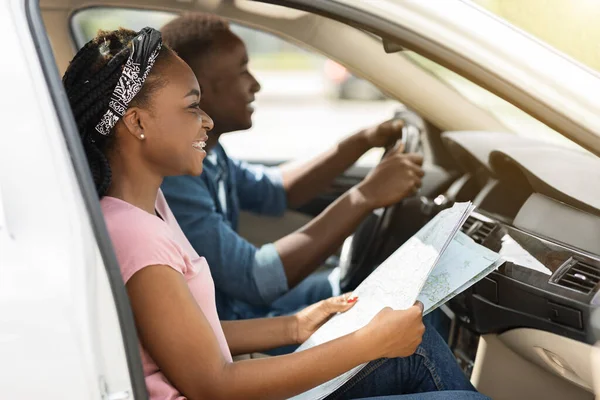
(136, 106)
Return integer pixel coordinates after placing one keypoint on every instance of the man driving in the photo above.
(277, 278)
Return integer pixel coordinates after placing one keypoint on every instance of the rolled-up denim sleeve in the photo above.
(239, 269)
(260, 189)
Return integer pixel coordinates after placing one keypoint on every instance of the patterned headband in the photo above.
(145, 48)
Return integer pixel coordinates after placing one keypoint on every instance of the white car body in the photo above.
(60, 333)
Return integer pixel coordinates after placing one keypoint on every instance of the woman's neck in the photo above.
(134, 184)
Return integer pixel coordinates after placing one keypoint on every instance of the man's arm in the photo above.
(393, 179)
(303, 181)
(260, 276)
(303, 251)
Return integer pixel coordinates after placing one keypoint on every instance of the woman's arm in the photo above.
(256, 335)
(178, 337)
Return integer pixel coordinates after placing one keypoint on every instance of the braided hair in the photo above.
(89, 83)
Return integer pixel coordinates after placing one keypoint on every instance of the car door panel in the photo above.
(260, 230)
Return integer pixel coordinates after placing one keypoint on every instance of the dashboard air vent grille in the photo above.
(477, 230)
(579, 276)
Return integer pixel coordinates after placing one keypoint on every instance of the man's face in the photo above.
(228, 87)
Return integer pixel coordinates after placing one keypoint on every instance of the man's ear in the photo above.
(133, 121)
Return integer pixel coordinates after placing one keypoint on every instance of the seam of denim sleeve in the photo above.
(269, 274)
(276, 177)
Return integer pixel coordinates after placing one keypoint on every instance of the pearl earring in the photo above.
(142, 137)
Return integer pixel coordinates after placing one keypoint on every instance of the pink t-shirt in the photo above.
(141, 239)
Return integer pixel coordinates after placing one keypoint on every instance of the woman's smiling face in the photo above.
(174, 127)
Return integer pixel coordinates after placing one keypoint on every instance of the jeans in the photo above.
(316, 287)
(440, 322)
(445, 395)
(432, 373)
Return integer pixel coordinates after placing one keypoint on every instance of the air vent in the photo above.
(477, 230)
(468, 224)
(579, 276)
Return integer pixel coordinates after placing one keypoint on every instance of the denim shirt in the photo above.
(207, 208)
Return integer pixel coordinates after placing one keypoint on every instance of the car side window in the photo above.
(307, 102)
(306, 105)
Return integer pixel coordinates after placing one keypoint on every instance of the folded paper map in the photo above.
(433, 266)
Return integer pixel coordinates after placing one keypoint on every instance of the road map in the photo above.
(433, 266)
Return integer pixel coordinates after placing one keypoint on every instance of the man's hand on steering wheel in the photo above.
(397, 176)
(385, 134)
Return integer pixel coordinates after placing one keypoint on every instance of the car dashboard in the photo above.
(538, 205)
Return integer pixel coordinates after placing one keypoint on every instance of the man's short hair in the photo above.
(194, 35)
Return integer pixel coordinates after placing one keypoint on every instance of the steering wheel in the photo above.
(359, 255)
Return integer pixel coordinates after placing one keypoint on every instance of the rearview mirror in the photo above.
(391, 46)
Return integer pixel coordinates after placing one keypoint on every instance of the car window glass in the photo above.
(512, 117)
(569, 26)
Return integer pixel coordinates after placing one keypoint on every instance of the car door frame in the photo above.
(90, 198)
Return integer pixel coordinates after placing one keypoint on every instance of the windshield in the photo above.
(512, 117)
(570, 26)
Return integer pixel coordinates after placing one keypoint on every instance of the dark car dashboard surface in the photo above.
(538, 205)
